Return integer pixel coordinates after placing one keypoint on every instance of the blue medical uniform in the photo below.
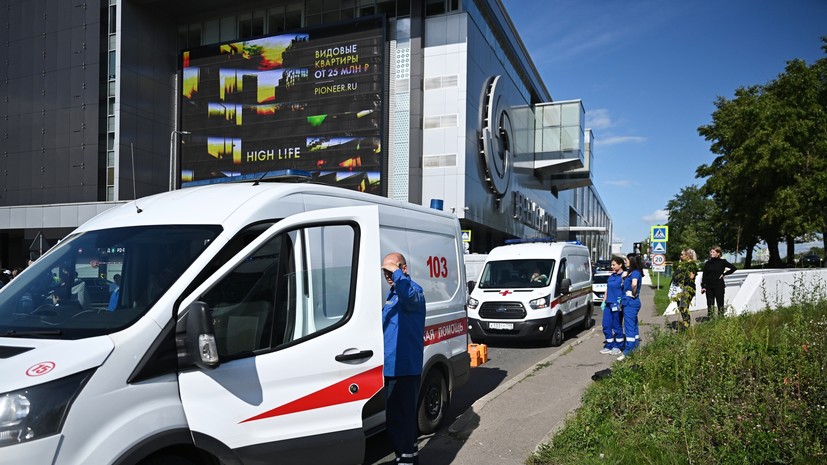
(612, 328)
(403, 325)
(631, 307)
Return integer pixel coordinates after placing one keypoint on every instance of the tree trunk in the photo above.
(824, 243)
(775, 256)
(748, 257)
(791, 251)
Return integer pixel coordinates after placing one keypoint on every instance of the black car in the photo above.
(810, 259)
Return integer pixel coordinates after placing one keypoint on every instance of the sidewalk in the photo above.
(507, 425)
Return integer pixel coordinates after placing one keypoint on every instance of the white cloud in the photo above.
(657, 217)
(619, 183)
(598, 119)
(621, 140)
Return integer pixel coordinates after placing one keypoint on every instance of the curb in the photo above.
(461, 424)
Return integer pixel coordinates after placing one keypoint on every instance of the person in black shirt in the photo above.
(712, 282)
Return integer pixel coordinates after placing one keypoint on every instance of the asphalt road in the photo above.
(505, 360)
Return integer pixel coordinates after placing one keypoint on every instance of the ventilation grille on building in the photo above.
(441, 121)
(439, 161)
(403, 63)
(399, 105)
(440, 82)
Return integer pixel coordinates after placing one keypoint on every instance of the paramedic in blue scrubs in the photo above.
(630, 301)
(403, 324)
(612, 327)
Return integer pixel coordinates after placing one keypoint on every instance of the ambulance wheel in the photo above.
(433, 402)
(556, 337)
(588, 323)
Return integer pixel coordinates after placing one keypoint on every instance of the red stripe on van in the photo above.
(443, 331)
(369, 382)
(566, 298)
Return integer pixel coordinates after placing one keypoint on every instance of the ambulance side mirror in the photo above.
(471, 286)
(565, 286)
(201, 345)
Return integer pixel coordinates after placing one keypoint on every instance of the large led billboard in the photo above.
(309, 100)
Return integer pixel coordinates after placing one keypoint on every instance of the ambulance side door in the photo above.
(297, 316)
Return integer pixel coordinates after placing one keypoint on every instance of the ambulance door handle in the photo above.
(351, 356)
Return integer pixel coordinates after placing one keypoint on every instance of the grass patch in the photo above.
(537, 368)
(661, 299)
(738, 390)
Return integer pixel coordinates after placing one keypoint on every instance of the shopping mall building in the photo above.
(429, 101)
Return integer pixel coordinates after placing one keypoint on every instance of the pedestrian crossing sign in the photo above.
(659, 248)
(659, 234)
(466, 235)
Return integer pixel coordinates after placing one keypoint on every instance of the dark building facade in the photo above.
(97, 107)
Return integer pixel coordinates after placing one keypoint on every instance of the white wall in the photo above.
(750, 291)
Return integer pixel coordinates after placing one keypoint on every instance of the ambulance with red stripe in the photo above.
(241, 324)
(532, 290)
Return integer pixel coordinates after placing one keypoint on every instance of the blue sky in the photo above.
(648, 73)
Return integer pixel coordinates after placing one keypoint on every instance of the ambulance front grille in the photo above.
(502, 311)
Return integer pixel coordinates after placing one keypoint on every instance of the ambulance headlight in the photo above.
(542, 302)
(38, 411)
(472, 302)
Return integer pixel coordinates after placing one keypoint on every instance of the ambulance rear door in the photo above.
(297, 317)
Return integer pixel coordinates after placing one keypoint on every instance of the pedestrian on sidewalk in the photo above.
(630, 302)
(403, 324)
(712, 281)
(683, 284)
(612, 316)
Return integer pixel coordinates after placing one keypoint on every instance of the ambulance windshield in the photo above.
(99, 282)
(514, 274)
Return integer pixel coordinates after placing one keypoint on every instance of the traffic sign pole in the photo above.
(658, 236)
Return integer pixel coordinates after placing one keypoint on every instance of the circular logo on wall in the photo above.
(496, 139)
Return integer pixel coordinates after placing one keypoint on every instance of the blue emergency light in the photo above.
(530, 240)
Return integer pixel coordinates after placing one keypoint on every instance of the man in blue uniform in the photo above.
(403, 324)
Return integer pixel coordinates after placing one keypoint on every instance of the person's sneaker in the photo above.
(621, 358)
(615, 351)
(606, 350)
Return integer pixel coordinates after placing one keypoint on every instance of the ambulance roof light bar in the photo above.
(530, 240)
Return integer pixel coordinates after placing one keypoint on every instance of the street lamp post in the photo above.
(173, 158)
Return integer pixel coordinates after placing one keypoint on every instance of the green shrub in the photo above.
(741, 390)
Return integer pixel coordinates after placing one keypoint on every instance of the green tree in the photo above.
(739, 179)
(692, 222)
(800, 110)
(770, 177)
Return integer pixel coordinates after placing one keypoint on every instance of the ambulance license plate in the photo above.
(500, 325)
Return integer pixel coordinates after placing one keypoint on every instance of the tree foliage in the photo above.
(769, 179)
(692, 222)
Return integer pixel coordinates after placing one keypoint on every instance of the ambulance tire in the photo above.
(556, 335)
(433, 403)
(588, 322)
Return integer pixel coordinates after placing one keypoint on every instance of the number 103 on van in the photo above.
(438, 267)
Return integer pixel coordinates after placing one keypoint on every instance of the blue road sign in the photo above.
(659, 234)
(659, 247)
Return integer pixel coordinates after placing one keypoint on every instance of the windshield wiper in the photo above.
(37, 332)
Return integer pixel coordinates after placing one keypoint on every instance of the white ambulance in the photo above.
(532, 291)
(232, 323)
